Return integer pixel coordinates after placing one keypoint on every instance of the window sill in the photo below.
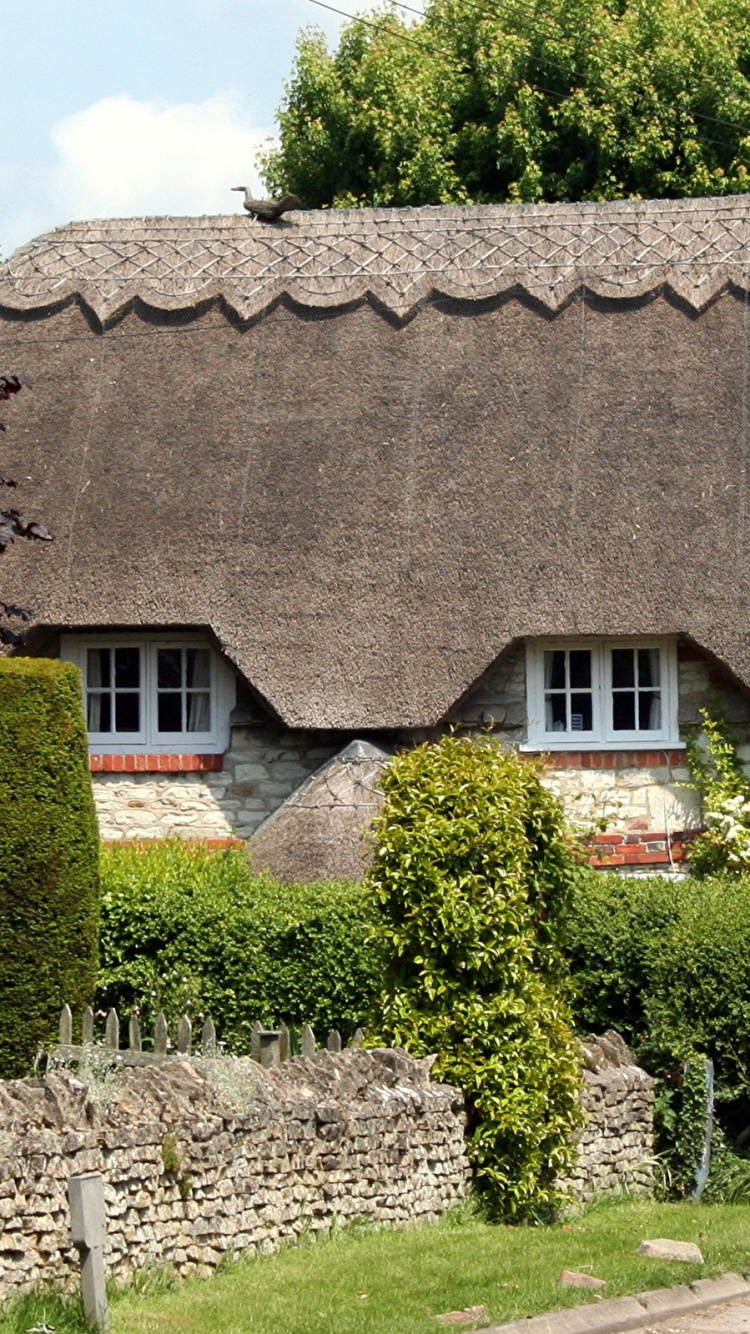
(565, 747)
(155, 764)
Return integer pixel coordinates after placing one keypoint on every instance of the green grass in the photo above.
(394, 1282)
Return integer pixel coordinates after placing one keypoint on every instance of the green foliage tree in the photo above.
(49, 856)
(473, 875)
(495, 100)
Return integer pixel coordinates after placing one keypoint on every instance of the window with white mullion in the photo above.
(114, 689)
(601, 693)
(635, 690)
(183, 690)
(569, 691)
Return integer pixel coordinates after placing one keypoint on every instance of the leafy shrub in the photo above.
(724, 787)
(49, 848)
(190, 930)
(667, 964)
(473, 875)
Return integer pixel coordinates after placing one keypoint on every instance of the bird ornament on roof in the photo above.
(267, 210)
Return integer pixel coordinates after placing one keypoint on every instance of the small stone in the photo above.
(570, 1278)
(471, 1316)
(661, 1248)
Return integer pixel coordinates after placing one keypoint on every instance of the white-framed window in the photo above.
(584, 694)
(155, 695)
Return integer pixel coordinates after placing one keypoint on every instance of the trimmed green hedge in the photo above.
(190, 930)
(667, 964)
(49, 851)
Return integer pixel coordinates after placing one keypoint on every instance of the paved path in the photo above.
(727, 1318)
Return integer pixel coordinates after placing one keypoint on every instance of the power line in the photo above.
(385, 27)
(544, 60)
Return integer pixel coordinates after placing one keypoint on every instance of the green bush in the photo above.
(49, 848)
(473, 875)
(667, 964)
(190, 930)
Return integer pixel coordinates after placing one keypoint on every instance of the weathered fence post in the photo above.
(87, 1027)
(208, 1038)
(270, 1047)
(66, 1027)
(255, 1033)
(184, 1036)
(112, 1031)
(161, 1035)
(88, 1226)
(285, 1043)
(134, 1033)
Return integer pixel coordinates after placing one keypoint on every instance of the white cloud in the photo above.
(120, 157)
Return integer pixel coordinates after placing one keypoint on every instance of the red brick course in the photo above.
(155, 764)
(615, 759)
(643, 847)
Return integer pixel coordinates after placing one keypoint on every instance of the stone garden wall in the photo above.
(617, 1141)
(200, 1158)
(204, 1157)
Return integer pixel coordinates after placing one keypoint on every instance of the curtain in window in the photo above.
(198, 712)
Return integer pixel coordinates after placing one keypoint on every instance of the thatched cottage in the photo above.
(359, 476)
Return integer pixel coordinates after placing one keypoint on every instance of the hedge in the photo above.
(667, 964)
(473, 873)
(190, 930)
(49, 849)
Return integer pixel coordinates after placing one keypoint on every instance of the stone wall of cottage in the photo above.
(616, 1143)
(634, 792)
(262, 767)
(201, 1159)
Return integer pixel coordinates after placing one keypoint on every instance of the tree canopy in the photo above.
(504, 100)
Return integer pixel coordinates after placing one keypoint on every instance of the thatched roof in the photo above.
(366, 510)
(320, 832)
(399, 256)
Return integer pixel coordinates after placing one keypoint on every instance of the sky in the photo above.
(119, 108)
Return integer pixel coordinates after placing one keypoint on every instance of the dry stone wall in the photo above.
(617, 1140)
(202, 1158)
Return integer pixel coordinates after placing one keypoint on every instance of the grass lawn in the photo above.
(394, 1282)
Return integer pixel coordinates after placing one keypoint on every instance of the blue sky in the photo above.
(124, 107)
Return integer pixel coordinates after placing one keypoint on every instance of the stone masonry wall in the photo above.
(266, 763)
(262, 767)
(617, 1139)
(203, 1158)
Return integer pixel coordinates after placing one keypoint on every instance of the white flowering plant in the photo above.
(724, 787)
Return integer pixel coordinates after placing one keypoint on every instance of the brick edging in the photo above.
(155, 764)
(640, 847)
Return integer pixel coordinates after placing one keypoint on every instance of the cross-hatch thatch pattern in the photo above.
(398, 256)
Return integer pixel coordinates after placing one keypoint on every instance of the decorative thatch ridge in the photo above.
(695, 247)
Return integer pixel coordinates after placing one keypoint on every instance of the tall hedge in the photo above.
(49, 850)
(667, 964)
(473, 874)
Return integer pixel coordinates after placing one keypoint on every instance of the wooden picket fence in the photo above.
(269, 1046)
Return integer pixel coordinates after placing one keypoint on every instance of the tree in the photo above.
(12, 522)
(502, 100)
